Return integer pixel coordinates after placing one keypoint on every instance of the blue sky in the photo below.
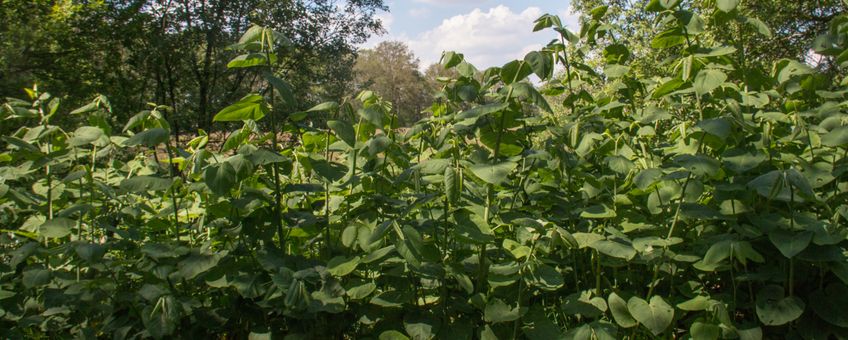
(488, 32)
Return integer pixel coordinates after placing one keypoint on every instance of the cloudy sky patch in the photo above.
(489, 33)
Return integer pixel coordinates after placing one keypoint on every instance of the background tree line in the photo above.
(174, 52)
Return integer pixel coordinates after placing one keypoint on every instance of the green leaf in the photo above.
(614, 249)
(598, 12)
(660, 5)
(342, 266)
(371, 115)
(344, 131)
(150, 138)
(140, 184)
(656, 315)
(619, 310)
(251, 107)
(829, 304)
(35, 277)
(790, 243)
(253, 59)
(86, 135)
(727, 5)
(702, 330)
(836, 137)
(598, 211)
(616, 71)
(56, 228)
(421, 326)
(708, 80)
(545, 277)
(759, 25)
(392, 335)
(196, 264)
(666, 88)
(451, 185)
(699, 165)
(325, 106)
(597, 330)
(542, 64)
(481, 110)
(494, 173)
(774, 309)
(538, 326)
(668, 38)
(515, 71)
(220, 178)
(361, 291)
(451, 59)
(497, 311)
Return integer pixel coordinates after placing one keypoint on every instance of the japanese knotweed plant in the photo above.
(703, 203)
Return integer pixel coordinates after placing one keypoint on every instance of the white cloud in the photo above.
(487, 38)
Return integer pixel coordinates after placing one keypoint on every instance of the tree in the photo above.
(791, 27)
(391, 70)
(174, 52)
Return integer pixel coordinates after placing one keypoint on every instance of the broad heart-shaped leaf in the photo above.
(620, 164)
(829, 304)
(85, 135)
(342, 266)
(494, 173)
(598, 211)
(344, 131)
(528, 92)
(597, 330)
(509, 140)
(196, 264)
(481, 110)
(619, 310)
(699, 165)
(790, 243)
(719, 127)
(220, 178)
(701, 329)
(727, 5)
(656, 315)
(150, 137)
(251, 107)
(56, 228)
(772, 185)
(708, 80)
(253, 59)
(498, 311)
(616, 71)
(361, 291)
(541, 63)
(421, 326)
(668, 38)
(371, 115)
(392, 335)
(515, 71)
(666, 88)
(836, 137)
(140, 184)
(615, 249)
(774, 309)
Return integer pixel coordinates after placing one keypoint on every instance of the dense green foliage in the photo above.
(698, 205)
(176, 52)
